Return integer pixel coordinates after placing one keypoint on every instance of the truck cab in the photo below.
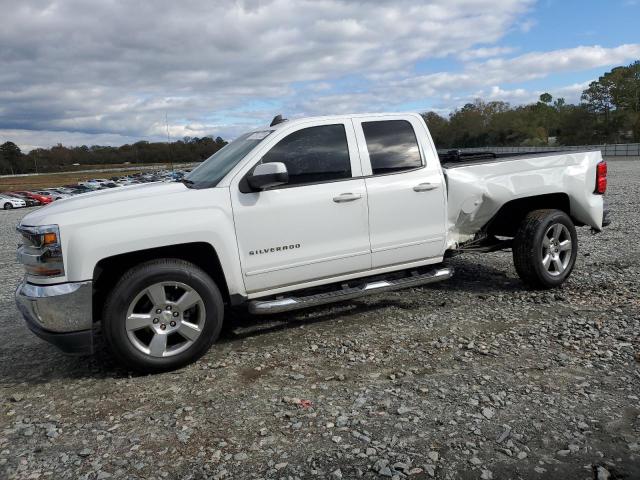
(355, 188)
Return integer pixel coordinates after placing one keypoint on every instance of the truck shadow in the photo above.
(473, 276)
(244, 325)
(470, 278)
(36, 362)
(41, 363)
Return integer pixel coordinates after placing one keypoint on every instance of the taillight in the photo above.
(601, 178)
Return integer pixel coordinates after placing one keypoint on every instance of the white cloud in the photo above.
(540, 64)
(477, 77)
(116, 67)
(571, 94)
(485, 52)
(107, 72)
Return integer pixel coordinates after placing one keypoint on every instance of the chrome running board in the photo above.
(285, 304)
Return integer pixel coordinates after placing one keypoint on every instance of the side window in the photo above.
(314, 154)
(392, 146)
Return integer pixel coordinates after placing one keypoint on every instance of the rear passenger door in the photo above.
(405, 190)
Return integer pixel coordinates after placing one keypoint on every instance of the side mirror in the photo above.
(267, 175)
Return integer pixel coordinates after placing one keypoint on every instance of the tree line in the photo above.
(61, 158)
(609, 112)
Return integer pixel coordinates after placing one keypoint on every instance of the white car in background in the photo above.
(92, 184)
(8, 203)
(124, 182)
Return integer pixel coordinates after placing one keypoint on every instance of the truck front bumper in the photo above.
(60, 314)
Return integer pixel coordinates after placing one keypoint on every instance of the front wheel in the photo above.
(8, 206)
(162, 315)
(545, 248)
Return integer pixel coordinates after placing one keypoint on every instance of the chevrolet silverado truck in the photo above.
(297, 214)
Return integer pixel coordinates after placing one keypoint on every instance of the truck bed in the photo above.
(478, 187)
(450, 160)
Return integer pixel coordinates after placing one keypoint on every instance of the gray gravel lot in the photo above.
(476, 377)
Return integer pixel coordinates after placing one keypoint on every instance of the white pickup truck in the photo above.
(297, 214)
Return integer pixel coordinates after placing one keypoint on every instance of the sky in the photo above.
(115, 72)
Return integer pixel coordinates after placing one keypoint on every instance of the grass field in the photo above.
(46, 180)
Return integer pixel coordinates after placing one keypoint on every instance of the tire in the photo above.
(8, 206)
(545, 248)
(160, 287)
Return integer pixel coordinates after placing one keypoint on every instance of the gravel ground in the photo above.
(476, 377)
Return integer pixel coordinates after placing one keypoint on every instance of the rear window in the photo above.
(393, 146)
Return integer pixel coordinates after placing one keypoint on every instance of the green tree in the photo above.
(546, 98)
(577, 126)
(11, 155)
(625, 90)
(559, 103)
(615, 101)
(439, 129)
(598, 99)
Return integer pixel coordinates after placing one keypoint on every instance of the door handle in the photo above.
(425, 187)
(347, 197)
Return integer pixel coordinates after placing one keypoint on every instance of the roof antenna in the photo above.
(277, 119)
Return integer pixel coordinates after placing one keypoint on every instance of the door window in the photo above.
(392, 146)
(314, 154)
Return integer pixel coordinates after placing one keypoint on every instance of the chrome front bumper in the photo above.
(60, 314)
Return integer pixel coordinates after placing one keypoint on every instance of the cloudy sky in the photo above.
(107, 72)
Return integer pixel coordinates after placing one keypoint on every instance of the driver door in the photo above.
(313, 227)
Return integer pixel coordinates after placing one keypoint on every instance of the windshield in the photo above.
(214, 168)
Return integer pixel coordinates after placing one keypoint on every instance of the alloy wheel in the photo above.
(556, 249)
(165, 319)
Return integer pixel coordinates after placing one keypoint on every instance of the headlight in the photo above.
(41, 251)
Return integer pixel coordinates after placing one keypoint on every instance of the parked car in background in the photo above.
(92, 184)
(42, 196)
(8, 202)
(77, 188)
(65, 191)
(43, 199)
(52, 193)
(31, 202)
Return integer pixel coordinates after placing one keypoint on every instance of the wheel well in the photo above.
(507, 220)
(109, 270)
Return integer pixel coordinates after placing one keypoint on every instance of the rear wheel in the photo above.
(8, 206)
(545, 248)
(162, 315)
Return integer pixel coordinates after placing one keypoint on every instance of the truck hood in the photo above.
(111, 203)
(103, 224)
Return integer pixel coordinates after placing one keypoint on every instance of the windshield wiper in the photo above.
(187, 182)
